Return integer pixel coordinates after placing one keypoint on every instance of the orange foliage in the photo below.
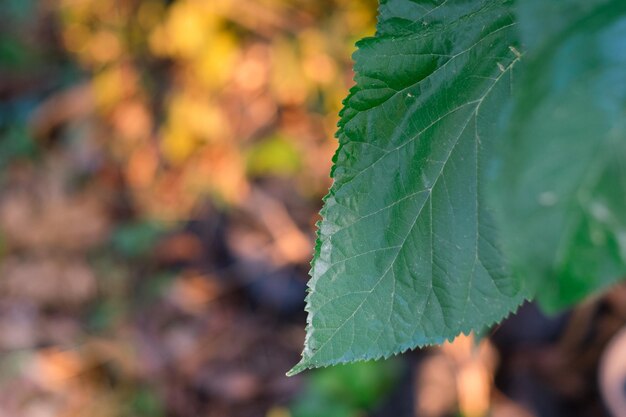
(232, 70)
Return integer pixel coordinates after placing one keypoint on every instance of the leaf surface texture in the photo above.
(407, 252)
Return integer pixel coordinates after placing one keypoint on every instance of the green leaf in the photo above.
(561, 176)
(540, 20)
(407, 254)
(275, 155)
(348, 390)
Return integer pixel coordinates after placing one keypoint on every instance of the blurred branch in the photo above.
(71, 104)
(292, 245)
(264, 20)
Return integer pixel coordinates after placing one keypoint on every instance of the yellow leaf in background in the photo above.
(76, 37)
(150, 13)
(311, 41)
(289, 84)
(185, 31)
(104, 46)
(158, 41)
(195, 114)
(211, 124)
(215, 63)
(177, 144)
(76, 10)
(358, 16)
(112, 85)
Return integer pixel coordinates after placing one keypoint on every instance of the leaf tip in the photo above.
(298, 368)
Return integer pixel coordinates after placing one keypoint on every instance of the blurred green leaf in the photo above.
(18, 10)
(105, 314)
(15, 142)
(347, 390)
(561, 183)
(146, 403)
(275, 155)
(135, 240)
(13, 54)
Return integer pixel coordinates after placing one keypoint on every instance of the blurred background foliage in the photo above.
(199, 98)
(162, 164)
